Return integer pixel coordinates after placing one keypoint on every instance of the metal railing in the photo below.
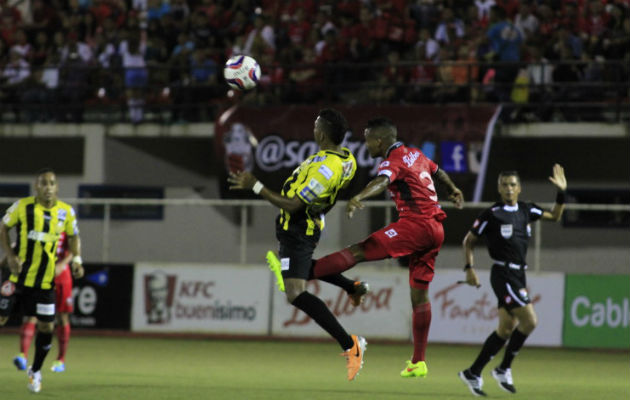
(244, 214)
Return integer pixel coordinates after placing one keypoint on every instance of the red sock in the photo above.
(421, 321)
(63, 336)
(27, 331)
(333, 264)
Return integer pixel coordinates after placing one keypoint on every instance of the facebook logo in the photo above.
(453, 156)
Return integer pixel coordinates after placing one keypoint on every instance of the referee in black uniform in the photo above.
(506, 226)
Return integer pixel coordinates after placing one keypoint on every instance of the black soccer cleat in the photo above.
(473, 382)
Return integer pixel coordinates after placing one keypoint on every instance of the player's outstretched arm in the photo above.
(560, 181)
(246, 181)
(454, 194)
(374, 187)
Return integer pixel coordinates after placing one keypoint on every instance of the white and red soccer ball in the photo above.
(241, 72)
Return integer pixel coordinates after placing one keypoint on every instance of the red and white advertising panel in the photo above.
(222, 299)
(464, 314)
(384, 314)
(230, 299)
(460, 313)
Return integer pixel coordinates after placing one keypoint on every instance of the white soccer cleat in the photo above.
(504, 379)
(474, 383)
(34, 380)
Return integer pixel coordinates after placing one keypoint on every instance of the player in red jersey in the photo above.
(408, 175)
(63, 307)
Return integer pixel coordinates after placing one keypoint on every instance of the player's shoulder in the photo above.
(531, 207)
(24, 201)
(496, 207)
(62, 205)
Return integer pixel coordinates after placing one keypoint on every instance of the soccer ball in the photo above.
(241, 72)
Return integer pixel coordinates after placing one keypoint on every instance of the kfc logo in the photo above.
(239, 142)
(159, 290)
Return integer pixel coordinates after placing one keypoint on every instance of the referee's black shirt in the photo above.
(507, 230)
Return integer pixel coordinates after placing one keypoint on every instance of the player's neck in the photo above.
(46, 204)
(330, 147)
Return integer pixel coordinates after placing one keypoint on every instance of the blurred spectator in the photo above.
(449, 27)
(73, 88)
(465, 74)
(567, 71)
(184, 47)
(422, 77)
(41, 50)
(298, 27)
(9, 23)
(425, 13)
(21, 46)
(136, 75)
(34, 97)
(15, 72)
(260, 39)
(426, 47)
(156, 9)
(305, 80)
(446, 91)
(540, 74)
(526, 21)
(483, 10)
(505, 40)
(74, 46)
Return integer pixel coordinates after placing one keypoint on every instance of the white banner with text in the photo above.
(222, 299)
(230, 299)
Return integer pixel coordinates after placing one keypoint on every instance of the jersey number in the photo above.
(430, 185)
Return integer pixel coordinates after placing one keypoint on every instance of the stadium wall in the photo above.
(181, 158)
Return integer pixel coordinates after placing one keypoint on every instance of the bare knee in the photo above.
(527, 325)
(46, 327)
(293, 288)
(357, 252)
(419, 296)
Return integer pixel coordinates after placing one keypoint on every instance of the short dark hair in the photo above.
(335, 124)
(383, 128)
(503, 174)
(45, 170)
(381, 122)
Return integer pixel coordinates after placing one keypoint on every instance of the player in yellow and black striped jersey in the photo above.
(38, 222)
(306, 196)
(316, 182)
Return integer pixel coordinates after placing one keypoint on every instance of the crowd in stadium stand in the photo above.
(142, 53)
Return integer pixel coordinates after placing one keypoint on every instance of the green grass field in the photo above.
(156, 369)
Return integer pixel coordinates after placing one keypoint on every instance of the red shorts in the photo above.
(419, 238)
(63, 292)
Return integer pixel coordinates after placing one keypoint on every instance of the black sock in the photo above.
(340, 281)
(43, 343)
(317, 310)
(490, 348)
(514, 345)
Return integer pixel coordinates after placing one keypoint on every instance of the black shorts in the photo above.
(39, 303)
(296, 254)
(510, 287)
